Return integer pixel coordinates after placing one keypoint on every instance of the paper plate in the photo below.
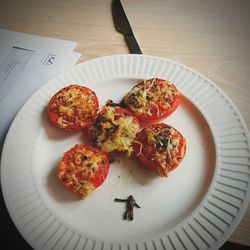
(196, 207)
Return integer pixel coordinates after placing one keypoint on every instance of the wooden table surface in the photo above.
(211, 36)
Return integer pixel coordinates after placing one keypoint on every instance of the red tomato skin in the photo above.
(74, 127)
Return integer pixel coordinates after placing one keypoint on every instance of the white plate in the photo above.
(197, 207)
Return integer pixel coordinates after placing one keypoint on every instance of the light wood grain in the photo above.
(212, 37)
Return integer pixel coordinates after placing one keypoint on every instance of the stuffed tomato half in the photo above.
(160, 148)
(82, 169)
(114, 129)
(73, 107)
(152, 100)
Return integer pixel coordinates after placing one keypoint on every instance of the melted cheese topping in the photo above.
(78, 167)
(168, 147)
(149, 95)
(72, 106)
(114, 131)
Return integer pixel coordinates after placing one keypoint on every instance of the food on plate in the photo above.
(82, 169)
(151, 100)
(73, 107)
(114, 129)
(160, 148)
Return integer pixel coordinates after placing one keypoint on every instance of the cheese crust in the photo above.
(114, 129)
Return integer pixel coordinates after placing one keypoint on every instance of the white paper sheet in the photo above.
(26, 63)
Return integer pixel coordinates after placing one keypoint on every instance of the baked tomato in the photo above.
(82, 169)
(160, 147)
(114, 129)
(151, 100)
(73, 107)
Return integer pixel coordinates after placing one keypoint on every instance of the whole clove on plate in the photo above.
(130, 204)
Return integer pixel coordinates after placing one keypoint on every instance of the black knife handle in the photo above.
(132, 43)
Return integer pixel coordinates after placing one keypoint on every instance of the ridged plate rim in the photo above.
(225, 178)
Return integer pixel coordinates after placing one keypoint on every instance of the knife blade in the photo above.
(122, 25)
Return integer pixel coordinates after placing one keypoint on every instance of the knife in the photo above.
(122, 25)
